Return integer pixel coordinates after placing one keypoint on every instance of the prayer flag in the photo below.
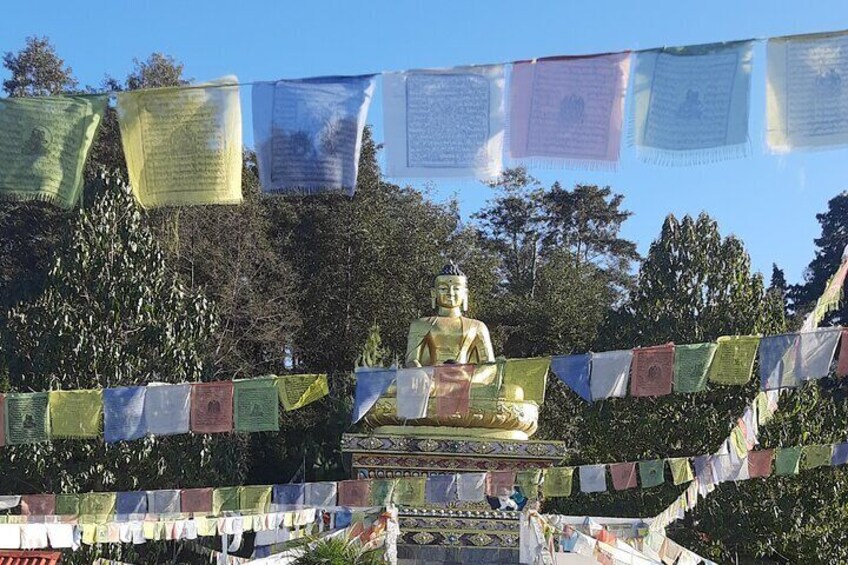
(371, 384)
(593, 478)
(440, 489)
(131, 502)
(759, 463)
(382, 491)
(652, 370)
(212, 407)
(321, 495)
(842, 363)
(690, 104)
(558, 481)
(183, 144)
(681, 470)
(737, 441)
(574, 370)
(786, 460)
(691, 363)
(163, 501)
(409, 491)
(813, 354)
(568, 109)
(196, 500)
(531, 375)
(623, 475)
(444, 123)
(166, 408)
(75, 413)
(652, 473)
(452, 389)
(38, 504)
(308, 132)
(26, 418)
(297, 391)
(528, 481)
(500, 483)
(773, 373)
(734, 360)
(814, 456)
(225, 499)
(356, 493)
(293, 494)
(123, 413)
(96, 507)
(610, 372)
(806, 98)
(45, 144)
(255, 405)
(68, 504)
(840, 454)
(471, 487)
(726, 469)
(413, 392)
(255, 498)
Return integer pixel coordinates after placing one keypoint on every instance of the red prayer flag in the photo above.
(354, 493)
(453, 389)
(623, 475)
(500, 483)
(38, 504)
(212, 407)
(196, 500)
(652, 370)
(759, 463)
(842, 363)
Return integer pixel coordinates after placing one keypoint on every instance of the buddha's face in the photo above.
(450, 291)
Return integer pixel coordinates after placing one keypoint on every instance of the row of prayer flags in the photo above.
(129, 413)
(183, 145)
(784, 361)
(449, 390)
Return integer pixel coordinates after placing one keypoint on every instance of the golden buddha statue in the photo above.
(449, 338)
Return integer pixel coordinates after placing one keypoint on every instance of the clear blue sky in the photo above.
(768, 201)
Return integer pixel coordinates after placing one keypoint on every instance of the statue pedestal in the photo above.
(459, 532)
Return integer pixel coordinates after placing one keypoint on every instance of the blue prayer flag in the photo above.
(371, 384)
(289, 495)
(840, 454)
(123, 413)
(132, 502)
(773, 373)
(574, 371)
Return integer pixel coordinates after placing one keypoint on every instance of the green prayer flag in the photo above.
(226, 499)
(530, 375)
(733, 360)
(255, 498)
(681, 470)
(738, 442)
(296, 391)
(528, 481)
(691, 363)
(558, 481)
(45, 144)
(68, 504)
(764, 412)
(381, 491)
(410, 491)
(652, 473)
(813, 456)
(75, 413)
(786, 460)
(255, 405)
(96, 507)
(26, 418)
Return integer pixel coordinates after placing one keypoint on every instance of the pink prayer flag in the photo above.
(623, 475)
(453, 389)
(842, 363)
(652, 370)
(759, 463)
(196, 500)
(354, 493)
(569, 108)
(500, 483)
(212, 407)
(38, 504)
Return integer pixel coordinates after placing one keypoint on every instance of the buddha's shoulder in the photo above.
(472, 323)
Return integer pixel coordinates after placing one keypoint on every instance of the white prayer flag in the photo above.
(413, 392)
(610, 374)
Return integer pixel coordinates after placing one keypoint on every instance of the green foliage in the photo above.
(37, 70)
(338, 551)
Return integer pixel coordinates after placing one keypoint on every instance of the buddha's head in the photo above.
(450, 289)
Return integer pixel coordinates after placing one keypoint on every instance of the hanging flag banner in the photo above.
(813, 354)
(27, 418)
(734, 360)
(593, 478)
(297, 391)
(123, 413)
(652, 370)
(196, 500)
(558, 481)
(568, 109)
(531, 375)
(652, 473)
(691, 363)
(75, 413)
(690, 104)
(452, 389)
(574, 371)
(413, 392)
(183, 145)
(166, 408)
(131, 502)
(759, 463)
(255, 405)
(44, 145)
(610, 373)
(308, 133)
(2, 421)
(212, 407)
(623, 475)
(773, 373)
(806, 97)
(444, 123)
(371, 384)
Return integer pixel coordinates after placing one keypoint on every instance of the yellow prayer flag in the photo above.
(733, 360)
(558, 481)
(296, 391)
(737, 441)
(530, 375)
(681, 470)
(75, 413)
(183, 145)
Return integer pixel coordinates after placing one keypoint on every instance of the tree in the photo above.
(37, 70)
